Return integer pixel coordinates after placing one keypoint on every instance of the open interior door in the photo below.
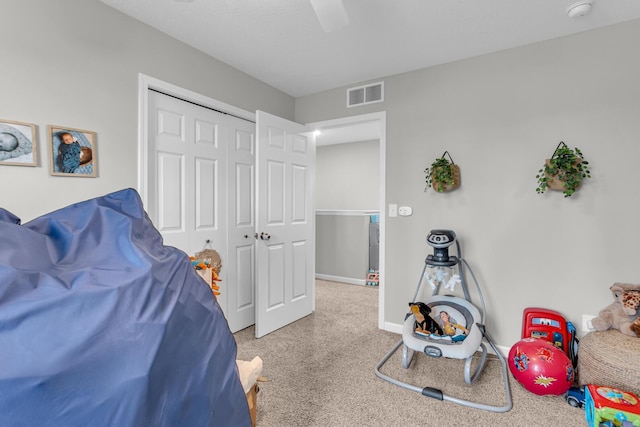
(285, 223)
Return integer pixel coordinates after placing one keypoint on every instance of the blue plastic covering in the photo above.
(103, 325)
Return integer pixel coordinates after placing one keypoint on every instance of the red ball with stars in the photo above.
(541, 367)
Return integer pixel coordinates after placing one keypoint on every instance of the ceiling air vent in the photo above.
(367, 94)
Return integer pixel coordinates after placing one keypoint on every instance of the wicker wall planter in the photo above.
(443, 175)
(564, 171)
(555, 183)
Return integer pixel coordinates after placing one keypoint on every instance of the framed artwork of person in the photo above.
(72, 152)
(18, 145)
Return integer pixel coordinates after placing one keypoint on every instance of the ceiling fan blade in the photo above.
(330, 13)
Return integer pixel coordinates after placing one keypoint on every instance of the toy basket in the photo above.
(610, 358)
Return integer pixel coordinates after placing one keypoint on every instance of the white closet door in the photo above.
(211, 178)
(241, 256)
(187, 175)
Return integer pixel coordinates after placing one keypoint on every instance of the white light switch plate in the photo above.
(393, 210)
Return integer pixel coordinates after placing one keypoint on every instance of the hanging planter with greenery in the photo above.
(564, 171)
(443, 175)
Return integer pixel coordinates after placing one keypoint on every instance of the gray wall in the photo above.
(347, 176)
(342, 247)
(75, 63)
(500, 116)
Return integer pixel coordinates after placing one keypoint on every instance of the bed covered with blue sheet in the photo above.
(103, 325)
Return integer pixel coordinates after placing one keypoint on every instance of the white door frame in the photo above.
(147, 82)
(381, 119)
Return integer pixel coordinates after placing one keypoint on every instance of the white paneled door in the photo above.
(201, 189)
(209, 179)
(241, 256)
(285, 222)
(186, 174)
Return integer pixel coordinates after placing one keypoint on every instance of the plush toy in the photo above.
(623, 313)
(208, 273)
(635, 326)
(424, 324)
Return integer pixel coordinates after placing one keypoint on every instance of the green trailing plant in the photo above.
(564, 171)
(441, 174)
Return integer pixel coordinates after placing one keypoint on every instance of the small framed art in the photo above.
(18, 146)
(72, 152)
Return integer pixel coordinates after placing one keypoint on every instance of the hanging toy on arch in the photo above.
(208, 264)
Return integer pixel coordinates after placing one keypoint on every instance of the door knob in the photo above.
(265, 236)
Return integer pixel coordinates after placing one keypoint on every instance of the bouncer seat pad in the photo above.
(101, 324)
(461, 312)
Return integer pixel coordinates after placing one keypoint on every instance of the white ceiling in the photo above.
(281, 42)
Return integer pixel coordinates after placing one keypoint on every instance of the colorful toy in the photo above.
(373, 278)
(607, 406)
(545, 324)
(551, 326)
(208, 274)
(575, 397)
(541, 367)
(623, 312)
(450, 327)
(424, 323)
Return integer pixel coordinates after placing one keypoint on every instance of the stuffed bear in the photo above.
(635, 326)
(623, 313)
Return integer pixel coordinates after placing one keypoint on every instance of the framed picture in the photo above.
(18, 146)
(72, 152)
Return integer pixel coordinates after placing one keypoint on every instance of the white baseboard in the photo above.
(393, 327)
(397, 329)
(341, 279)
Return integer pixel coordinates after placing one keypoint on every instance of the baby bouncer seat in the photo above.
(446, 325)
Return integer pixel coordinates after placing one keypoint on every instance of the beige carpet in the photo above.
(320, 372)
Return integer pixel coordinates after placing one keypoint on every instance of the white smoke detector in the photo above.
(580, 8)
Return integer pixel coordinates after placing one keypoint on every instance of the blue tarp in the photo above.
(103, 325)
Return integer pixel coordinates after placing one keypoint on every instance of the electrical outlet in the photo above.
(586, 322)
